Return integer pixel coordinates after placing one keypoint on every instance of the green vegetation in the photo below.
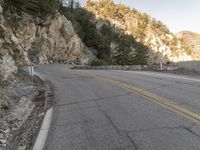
(39, 7)
(13, 22)
(47, 6)
(127, 51)
(119, 35)
(138, 25)
(192, 41)
(99, 62)
(88, 32)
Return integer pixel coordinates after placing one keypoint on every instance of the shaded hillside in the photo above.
(192, 40)
(163, 45)
(109, 46)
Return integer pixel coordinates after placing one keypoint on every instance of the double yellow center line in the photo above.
(166, 103)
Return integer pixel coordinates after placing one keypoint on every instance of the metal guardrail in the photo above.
(189, 65)
(111, 67)
(127, 67)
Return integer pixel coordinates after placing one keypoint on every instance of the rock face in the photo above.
(163, 52)
(57, 42)
(7, 67)
(7, 63)
(25, 39)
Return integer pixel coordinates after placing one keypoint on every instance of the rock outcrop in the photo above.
(27, 39)
(192, 40)
(161, 51)
(57, 42)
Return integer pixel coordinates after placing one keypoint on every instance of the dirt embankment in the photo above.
(23, 106)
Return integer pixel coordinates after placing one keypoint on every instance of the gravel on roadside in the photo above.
(23, 106)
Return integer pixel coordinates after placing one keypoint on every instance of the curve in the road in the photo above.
(150, 96)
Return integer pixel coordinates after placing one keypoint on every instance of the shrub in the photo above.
(47, 6)
(99, 62)
(36, 6)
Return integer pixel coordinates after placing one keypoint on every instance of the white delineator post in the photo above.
(31, 71)
(0, 102)
(161, 66)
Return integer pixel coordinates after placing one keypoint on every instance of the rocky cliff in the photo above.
(25, 38)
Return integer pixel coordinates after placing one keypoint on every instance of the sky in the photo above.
(178, 15)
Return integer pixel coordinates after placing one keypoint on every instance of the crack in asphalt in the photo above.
(191, 131)
(89, 100)
(119, 132)
(131, 140)
(108, 117)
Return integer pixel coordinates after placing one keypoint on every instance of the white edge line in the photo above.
(43, 133)
(42, 136)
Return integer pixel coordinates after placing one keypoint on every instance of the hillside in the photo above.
(192, 40)
(35, 32)
(43, 32)
(162, 44)
(109, 46)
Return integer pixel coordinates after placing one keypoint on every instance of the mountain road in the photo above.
(122, 110)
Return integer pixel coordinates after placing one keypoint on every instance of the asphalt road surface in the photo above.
(93, 113)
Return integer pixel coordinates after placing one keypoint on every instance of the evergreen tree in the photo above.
(36, 6)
